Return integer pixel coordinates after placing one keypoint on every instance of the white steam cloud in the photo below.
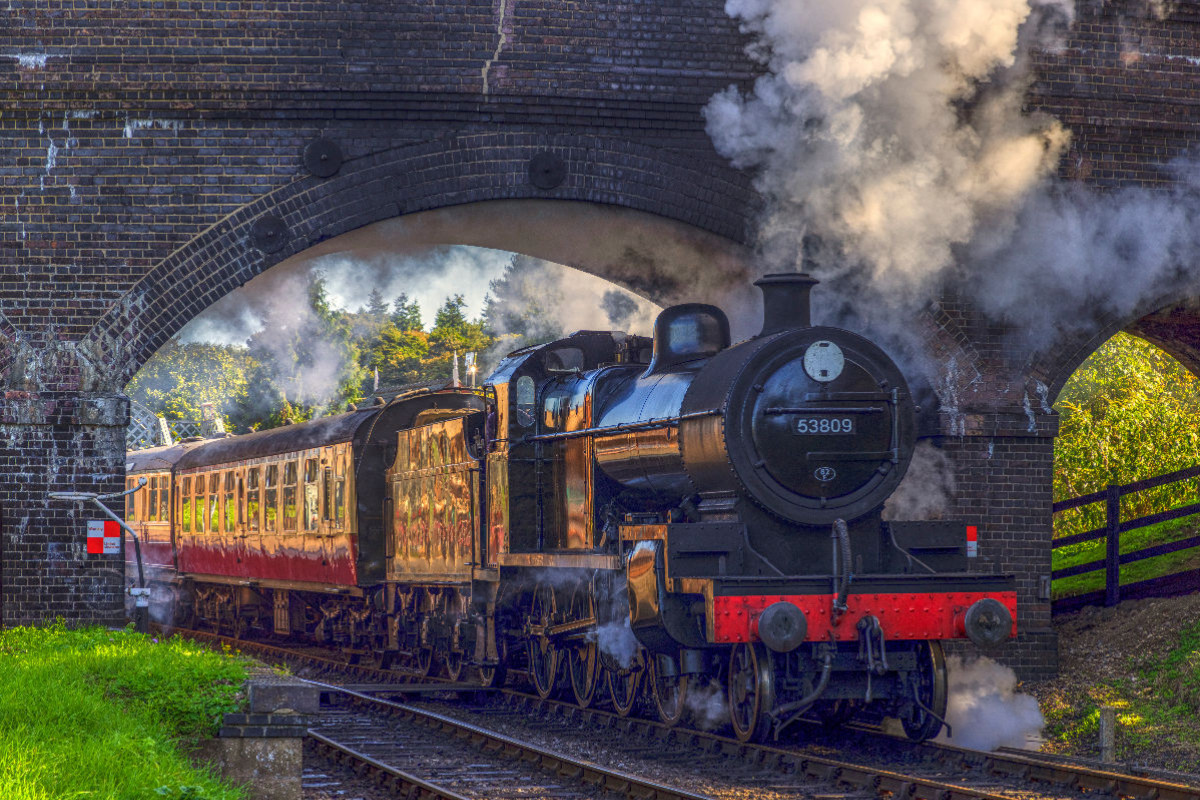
(985, 710)
(878, 133)
(616, 640)
(707, 704)
(927, 488)
(889, 140)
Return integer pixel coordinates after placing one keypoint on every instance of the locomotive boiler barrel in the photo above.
(645, 459)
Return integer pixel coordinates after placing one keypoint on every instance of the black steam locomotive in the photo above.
(622, 517)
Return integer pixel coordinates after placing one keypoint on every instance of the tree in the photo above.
(308, 361)
(1130, 411)
(453, 333)
(376, 307)
(406, 314)
(177, 380)
(398, 355)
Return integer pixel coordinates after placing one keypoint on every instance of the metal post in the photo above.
(1108, 734)
(1112, 556)
(140, 594)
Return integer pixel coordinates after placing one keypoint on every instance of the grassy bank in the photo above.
(1142, 658)
(104, 714)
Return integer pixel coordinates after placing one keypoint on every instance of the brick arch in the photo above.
(446, 172)
(1171, 321)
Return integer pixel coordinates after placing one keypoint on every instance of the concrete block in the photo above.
(269, 769)
(274, 694)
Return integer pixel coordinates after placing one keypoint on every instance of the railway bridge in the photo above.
(157, 154)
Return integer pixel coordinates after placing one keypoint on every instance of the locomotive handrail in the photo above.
(1162, 586)
(625, 427)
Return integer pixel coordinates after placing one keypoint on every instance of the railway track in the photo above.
(712, 765)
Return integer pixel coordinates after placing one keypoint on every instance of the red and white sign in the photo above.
(972, 541)
(103, 538)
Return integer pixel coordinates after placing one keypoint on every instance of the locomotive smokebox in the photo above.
(785, 301)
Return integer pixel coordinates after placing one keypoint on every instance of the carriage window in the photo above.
(312, 490)
(271, 497)
(198, 514)
(164, 498)
(339, 494)
(327, 495)
(252, 495)
(214, 507)
(185, 511)
(152, 505)
(129, 484)
(230, 503)
(525, 401)
(289, 496)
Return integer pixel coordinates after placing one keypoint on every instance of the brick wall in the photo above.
(142, 142)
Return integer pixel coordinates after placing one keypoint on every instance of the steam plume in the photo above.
(926, 489)
(985, 710)
(879, 137)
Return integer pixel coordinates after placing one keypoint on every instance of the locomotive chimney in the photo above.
(785, 301)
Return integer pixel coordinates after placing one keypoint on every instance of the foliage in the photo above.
(1129, 412)
(315, 360)
(181, 377)
(115, 706)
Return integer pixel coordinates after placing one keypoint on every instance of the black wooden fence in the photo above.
(1163, 586)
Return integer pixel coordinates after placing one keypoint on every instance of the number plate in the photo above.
(823, 426)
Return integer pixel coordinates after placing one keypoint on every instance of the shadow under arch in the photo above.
(625, 211)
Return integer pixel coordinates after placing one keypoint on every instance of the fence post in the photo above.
(1112, 555)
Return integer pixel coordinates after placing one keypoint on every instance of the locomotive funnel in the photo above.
(785, 301)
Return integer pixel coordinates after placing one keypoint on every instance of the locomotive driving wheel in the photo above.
(583, 657)
(623, 687)
(543, 653)
(927, 683)
(454, 662)
(751, 691)
(493, 675)
(668, 687)
(423, 661)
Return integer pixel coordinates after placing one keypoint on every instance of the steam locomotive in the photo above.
(624, 519)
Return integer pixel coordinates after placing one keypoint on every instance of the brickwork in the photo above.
(146, 143)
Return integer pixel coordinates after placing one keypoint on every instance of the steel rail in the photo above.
(547, 760)
(407, 785)
(1057, 771)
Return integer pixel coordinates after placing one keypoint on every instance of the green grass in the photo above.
(1139, 539)
(1157, 699)
(101, 714)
